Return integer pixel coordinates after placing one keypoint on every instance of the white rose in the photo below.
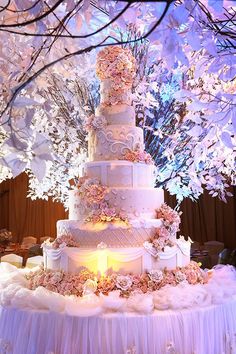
(123, 282)
(89, 287)
(156, 276)
(180, 277)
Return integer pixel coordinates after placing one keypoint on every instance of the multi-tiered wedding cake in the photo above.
(117, 219)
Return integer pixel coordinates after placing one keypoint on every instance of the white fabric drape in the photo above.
(208, 330)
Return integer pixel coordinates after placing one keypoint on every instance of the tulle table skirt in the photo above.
(207, 330)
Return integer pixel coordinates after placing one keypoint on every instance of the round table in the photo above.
(205, 330)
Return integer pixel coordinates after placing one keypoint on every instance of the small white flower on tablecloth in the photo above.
(170, 348)
(131, 350)
(5, 346)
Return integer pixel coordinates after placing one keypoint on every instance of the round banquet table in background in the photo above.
(205, 330)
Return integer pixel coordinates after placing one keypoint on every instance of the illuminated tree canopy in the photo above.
(184, 89)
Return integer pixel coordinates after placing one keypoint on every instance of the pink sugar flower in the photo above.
(138, 156)
(94, 193)
(162, 232)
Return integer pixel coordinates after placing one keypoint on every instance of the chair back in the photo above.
(45, 238)
(225, 256)
(29, 241)
(214, 247)
(13, 259)
(34, 261)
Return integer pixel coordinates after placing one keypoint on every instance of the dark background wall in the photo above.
(204, 220)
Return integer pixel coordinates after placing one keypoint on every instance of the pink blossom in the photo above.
(138, 156)
(94, 193)
(93, 123)
(162, 232)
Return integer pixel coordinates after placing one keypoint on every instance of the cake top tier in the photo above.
(116, 69)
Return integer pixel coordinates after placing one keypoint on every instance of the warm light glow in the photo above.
(102, 261)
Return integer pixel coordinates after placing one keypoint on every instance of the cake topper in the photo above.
(116, 68)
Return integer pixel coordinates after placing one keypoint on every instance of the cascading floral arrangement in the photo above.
(165, 234)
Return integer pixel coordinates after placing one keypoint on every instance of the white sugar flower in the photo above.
(180, 277)
(156, 275)
(123, 282)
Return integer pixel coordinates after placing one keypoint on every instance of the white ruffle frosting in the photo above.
(14, 293)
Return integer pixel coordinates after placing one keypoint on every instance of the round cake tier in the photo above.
(121, 173)
(120, 114)
(113, 142)
(117, 234)
(134, 202)
(135, 260)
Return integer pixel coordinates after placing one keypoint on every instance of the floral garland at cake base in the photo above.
(87, 282)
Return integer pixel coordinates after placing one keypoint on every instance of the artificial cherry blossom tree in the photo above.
(184, 89)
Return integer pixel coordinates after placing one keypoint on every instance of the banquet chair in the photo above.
(29, 241)
(233, 258)
(225, 256)
(214, 248)
(45, 238)
(34, 261)
(13, 259)
(35, 250)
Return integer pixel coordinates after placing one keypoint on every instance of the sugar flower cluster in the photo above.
(117, 64)
(165, 234)
(116, 68)
(93, 196)
(91, 191)
(138, 156)
(60, 242)
(106, 214)
(86, 282)
(171, 218)
(95, 123)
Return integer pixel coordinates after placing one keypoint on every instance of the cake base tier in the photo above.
(116, 234)
(134, 260)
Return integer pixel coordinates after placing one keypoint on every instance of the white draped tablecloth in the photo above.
(205, 330)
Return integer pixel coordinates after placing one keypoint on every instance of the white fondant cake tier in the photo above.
(112, 142)
(117, 234)
(134, 202)
(120, 114)
(114, 190)
(136, 260)
(121, 173)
